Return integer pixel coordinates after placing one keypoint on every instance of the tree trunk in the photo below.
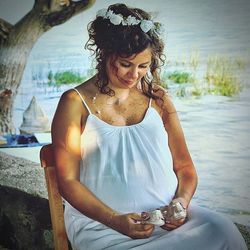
(15, 48)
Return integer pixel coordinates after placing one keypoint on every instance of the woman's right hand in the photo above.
(131, 225)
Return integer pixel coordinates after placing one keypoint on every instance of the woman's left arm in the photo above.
(182, 162)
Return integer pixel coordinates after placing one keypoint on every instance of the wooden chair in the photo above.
(55, 199)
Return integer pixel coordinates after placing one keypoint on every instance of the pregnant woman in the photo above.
(120, 149)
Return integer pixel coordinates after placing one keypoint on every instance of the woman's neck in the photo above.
(123, 93)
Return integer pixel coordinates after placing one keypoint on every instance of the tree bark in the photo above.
(16, 42)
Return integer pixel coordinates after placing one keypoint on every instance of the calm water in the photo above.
(217, 132)
(216, 128)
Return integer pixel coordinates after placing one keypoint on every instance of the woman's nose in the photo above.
(134, 73)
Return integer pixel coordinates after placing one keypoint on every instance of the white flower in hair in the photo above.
(101, 13)
(115, 19)
(109, 13)
(146, 25)
(131, 20)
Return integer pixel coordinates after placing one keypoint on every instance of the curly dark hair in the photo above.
(106, 39)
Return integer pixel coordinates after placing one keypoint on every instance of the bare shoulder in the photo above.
(69, 103)
(163, 102)
(70, 116)
(72, 98)
(87, 88)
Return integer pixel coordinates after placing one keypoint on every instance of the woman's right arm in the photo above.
(67, 126)
(66, 134)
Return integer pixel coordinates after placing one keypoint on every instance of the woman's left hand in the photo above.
(172, 224)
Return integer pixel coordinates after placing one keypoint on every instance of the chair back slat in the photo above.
(55, 199)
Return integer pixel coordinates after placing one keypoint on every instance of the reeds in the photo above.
(220, 76)
(180, 77)
(64, 77)
(217, 75)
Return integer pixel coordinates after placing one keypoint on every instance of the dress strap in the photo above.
(83, 101)
(150, 102)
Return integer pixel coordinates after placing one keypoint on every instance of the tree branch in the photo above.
(5, 28)
(59, 17)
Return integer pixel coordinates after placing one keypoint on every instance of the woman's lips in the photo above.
(129, 82)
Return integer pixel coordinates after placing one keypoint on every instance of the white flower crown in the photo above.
(116, 19)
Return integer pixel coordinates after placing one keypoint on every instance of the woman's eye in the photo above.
(125, 65)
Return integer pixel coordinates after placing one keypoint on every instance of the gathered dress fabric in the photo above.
(130, 168)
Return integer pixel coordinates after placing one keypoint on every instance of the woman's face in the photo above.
(127, 72)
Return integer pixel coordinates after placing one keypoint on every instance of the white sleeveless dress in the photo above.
(130, 169)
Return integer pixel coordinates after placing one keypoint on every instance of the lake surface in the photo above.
(216, 128)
